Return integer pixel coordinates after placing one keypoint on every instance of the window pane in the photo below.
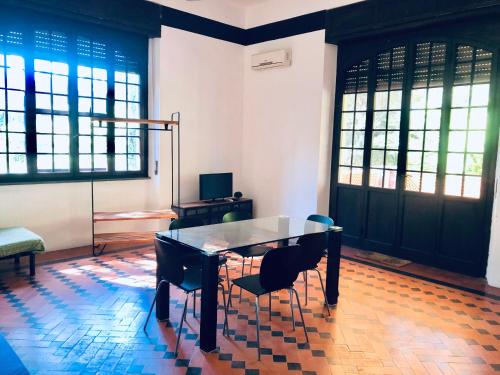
(460, 96)
(121, 162)
(475, 141)
(345, 139)
(17, 163)
(428, 183)
(453, 185)
(381, 100)
(380, 120)
(455, 163)
(458, 118)
(478, 118)
(15, 100)
(376, 177)
(61, 163)
(480, 95)
(17, 142)
(84, 87)
(348, 102)
(347, 121)
(417, 119)
(60, 84)
(456, 141)
(469, 112)
(472, 187)
(430, 162)
(395, 99)
(16, 122)
(418, 99)
(121, 148)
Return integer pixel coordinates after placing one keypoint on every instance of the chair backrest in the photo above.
(279, 268)
(236, 216)
(185, 222)
(169, 259)
(321, 219)
(312, 250)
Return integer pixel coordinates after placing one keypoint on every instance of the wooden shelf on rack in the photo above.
(123, 238)
(134, 215)
(136, 121)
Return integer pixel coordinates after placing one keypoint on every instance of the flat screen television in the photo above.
(216, 186)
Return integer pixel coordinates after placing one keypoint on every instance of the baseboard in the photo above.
(57, 256)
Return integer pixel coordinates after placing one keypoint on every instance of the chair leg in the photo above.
(251, 265)
(304, 274)
(229, 298)
(257, 325)
(180, 327)
(291, 308)
(194, 304)
(269, 306)
(227, 275)
(226, 324)
(323, 288)
(242, 270)
(153, 304)
(301, 315)
(16, 262)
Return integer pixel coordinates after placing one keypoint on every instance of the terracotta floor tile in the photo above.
(85, 316)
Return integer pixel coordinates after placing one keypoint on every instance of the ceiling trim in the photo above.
(281, 29)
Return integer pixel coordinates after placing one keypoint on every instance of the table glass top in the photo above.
(229, 236)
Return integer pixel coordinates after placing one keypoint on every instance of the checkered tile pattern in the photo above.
(86, 317)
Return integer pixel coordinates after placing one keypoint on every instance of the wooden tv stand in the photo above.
(212, 212)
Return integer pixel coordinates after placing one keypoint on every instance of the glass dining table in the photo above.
(210, 240)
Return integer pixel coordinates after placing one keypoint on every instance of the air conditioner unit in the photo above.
(272, 59)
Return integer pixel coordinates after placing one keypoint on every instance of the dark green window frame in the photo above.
(111, 50)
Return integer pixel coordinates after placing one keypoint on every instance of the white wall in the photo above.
(493, 271)
(203, 78)
(283, 126)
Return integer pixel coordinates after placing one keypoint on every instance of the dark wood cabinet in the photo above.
(212, 212)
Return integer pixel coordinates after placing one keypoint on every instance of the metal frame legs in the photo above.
(304, 274)
(300, 310)
(225, 330)
(292, 291)
(153, 303)
(257, 324)
(182, 322)
(323, 289)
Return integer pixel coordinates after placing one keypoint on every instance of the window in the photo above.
(468, 120)
(353, 124)
(387, 118)
(436, 104)
(13, 150)
(425, 117)
(127, 136)
(52, 82)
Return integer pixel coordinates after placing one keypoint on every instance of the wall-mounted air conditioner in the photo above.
(272, 59)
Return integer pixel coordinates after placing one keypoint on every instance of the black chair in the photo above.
(312, 250)
(246, 252)
(279, 270)
(194, 261)
(171, 270)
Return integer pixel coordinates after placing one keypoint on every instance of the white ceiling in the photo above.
(247, 3)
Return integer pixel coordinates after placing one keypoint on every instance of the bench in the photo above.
(16, 242)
